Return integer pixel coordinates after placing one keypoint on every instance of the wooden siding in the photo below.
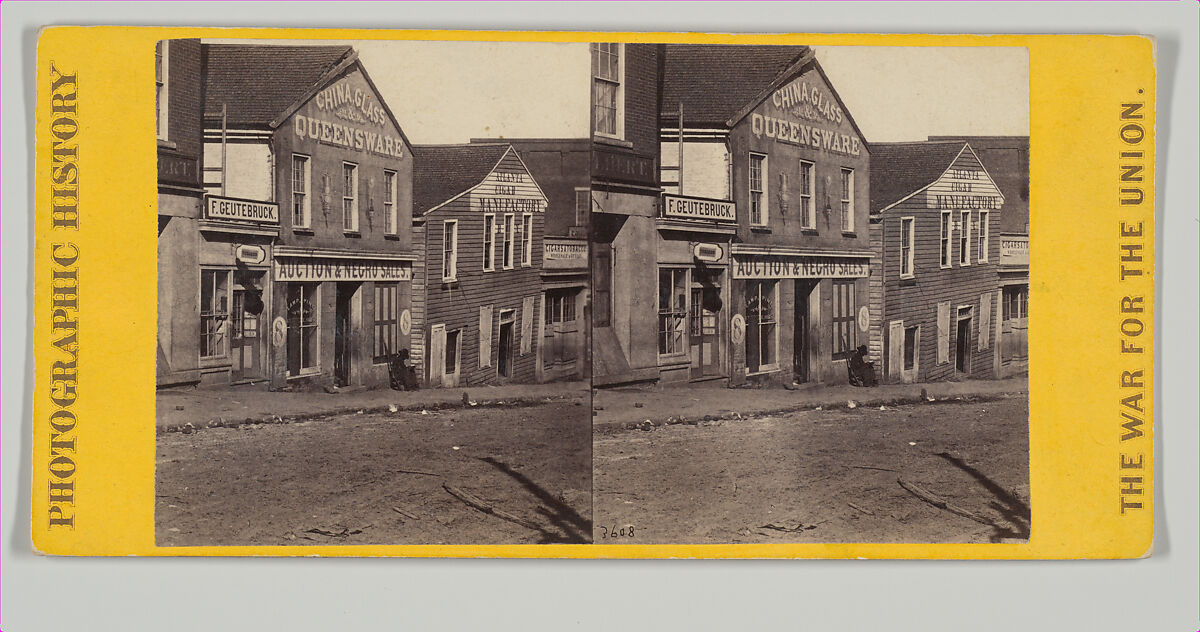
(456, 304)
(417, 332)
(915, 301)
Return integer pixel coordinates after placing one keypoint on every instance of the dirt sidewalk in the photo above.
(629, 406)
(229, 406)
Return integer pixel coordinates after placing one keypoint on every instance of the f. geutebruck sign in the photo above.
(698, 208)
(318, 269)
(225, 208)
(798, 267)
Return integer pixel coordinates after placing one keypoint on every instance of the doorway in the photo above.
(245, 341)
(342, 334)
(962, 342)
(800, 324)
(704, 322)
(504, 352)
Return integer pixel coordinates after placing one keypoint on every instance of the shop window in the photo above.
(848, 200)
(1016, 302)
(907, 238)
(844, 327)
(560, 306)
(450, 250)
(489, 242)
(527, 239)
(583, 205)
(964, 238)
(300, 189)
(761, 320)
(387, 329)
(214, 313)
(349, 197)
(944, 240)
(389, 202)
(911, 336)
(982, 254)
(302, 313)
(758, 190)
(510, 236)
(672, 311)
(452, 340)
(808, 207)
(160, 87)
(607, 106)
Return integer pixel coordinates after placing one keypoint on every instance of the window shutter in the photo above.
(985, 320)
(895, 364)
(437, 352)
(485, 336)
(943, 332)
(527, 324)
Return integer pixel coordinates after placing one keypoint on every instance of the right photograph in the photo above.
(810, 281)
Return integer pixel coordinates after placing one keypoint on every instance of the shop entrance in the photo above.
(245, 342)
(705, 324)
(800, 324)
(962, 343)
(342, 335)
(504, 353)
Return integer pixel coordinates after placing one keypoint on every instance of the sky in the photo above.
(450, 92)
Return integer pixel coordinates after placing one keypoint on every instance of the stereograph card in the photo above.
(504, 294)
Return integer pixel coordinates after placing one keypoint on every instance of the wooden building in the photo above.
(478, 236)
(306, 253)
(935, 218)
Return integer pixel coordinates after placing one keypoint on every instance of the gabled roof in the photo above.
(714, 81)
(258, 82)
(900, 169)
(443, 172)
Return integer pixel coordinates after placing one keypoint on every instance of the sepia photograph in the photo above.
(372, 293)
(810, 283)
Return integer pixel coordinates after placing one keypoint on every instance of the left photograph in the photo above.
(373, 293)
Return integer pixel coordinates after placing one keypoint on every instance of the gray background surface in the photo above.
(226, 594)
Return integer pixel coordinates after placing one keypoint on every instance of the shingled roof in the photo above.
(257, 83)
(441, 172)
(714, 81)
(900, 169)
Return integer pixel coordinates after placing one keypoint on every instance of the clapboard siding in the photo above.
(417, 332)
(456, 304)
(875, 296)
(915, 301)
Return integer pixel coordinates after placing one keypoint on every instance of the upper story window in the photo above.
(389, 202)
(489, 242)
(808, 207)
(450, 250)
(527, 239)
(607, 102)
(300, 191)
(982, 255)
(964, 238)
(907, 239)
(944, 240)
(510, 235)
(349, 197)
(758, 190)
(848, 200)
(160, 87)
(583, 204)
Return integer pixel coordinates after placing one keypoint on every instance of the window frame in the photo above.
(848, 319)
(314, 325)
(946, 226)
(763, 199)
(162, 92)
(618, 89)
(449, 250)
(808, 200)
(582, 210)
(507, 252)
(964, 238)
(350, 195)
(526, 240)
(847, 184)
(218, 316)
(306, 199)
(381, 325)
(755, 320)
(666, 339)
(390, 215)
(908, 230)
(489, 242)
(984, 236)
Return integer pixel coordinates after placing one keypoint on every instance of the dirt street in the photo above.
(379, 479)
(820, 476)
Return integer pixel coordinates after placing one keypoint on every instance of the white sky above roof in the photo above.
(449, 92)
